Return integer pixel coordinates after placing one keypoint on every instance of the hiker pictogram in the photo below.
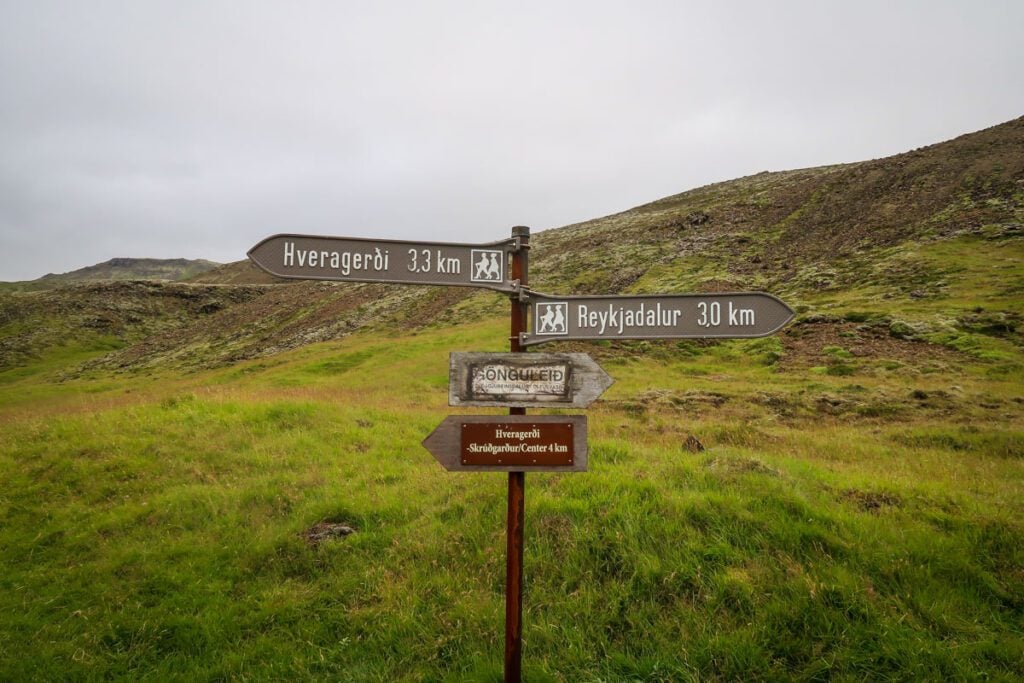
(551, 318)
(486, 266)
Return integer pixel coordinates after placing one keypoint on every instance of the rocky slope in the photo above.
(237, 273)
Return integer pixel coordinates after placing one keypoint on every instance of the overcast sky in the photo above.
(194, 129)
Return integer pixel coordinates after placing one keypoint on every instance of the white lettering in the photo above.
(615, 319)
(500, 433)
(740, 316)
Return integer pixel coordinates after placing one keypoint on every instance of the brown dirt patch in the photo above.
(740, 466)
(804, 343)
(871, 501)
(325, 531)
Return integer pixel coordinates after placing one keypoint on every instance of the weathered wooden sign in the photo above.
(510, 443)
(662, 316)
(524, 380)
(355, 259)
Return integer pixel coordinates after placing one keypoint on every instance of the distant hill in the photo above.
(120, 269)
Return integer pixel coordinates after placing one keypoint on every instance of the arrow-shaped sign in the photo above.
(355, 259)
(525, 380)
(510, 443)
(661, 316)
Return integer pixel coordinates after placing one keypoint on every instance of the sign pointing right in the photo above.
(661, 316)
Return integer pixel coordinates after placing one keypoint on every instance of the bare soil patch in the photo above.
(804, 345)
(325, 531)
(871, 501)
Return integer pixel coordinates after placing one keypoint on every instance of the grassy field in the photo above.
(858, 518)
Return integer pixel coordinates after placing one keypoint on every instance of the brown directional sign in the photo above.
(664, 316)
(510, 443)
(524, 380)
(354, 259)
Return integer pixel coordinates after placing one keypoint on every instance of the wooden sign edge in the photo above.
(530, 339)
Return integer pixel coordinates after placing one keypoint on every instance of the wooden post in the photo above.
(516, 487)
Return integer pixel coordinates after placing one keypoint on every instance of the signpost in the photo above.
(354, 259)
(540, 380)
(515, 515)
(511, 443)
(659, 316)
(518, 443)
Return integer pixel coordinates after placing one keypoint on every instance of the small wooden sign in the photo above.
(510, 443)
(553, 380)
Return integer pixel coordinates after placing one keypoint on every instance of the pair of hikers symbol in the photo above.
(488, 267)
(552, 321)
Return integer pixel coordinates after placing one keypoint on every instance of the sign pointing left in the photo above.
(510, 443)
(355, 259)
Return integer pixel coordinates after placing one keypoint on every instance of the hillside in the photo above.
(237, 273)
(119, 269)
(90, 317)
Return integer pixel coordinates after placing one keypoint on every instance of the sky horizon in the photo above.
(193, 130)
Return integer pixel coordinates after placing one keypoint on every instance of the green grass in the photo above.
(835, 527)
(54, 359)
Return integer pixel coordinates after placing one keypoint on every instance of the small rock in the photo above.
(698, 218)
(901, 330)
(872, 501)
(693, 444)
(322, 531)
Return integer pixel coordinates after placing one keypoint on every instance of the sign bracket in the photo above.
(522, 293)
